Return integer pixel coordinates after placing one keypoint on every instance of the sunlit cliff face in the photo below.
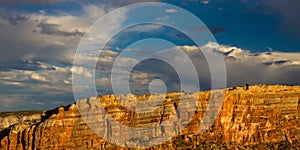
(263, 116)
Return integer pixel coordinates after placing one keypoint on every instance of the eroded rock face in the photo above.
(5, 122)
(8, 121)
(261, 117)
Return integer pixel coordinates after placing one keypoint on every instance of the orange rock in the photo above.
(263, 117)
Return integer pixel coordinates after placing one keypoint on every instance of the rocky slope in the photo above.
(8, 119)
(263, 117)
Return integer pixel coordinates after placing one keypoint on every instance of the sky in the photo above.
(258, 39)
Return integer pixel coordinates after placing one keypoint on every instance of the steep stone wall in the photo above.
(264, 116)
(9, 120)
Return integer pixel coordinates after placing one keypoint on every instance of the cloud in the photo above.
(33, 78)
(162, 19)
(15, 19)
(37, 53)
(109, 4)
(36, 1)
(10, 103)
(35, 87)
(43, 37)
(205, 2)
(242, 67)
(25, 65)
(214, 30)
(288, 11)
(217, 30)
(31, 86)
(171, 10)
(37, 77)
(51, 28)
(118, 3)
(81, 71)
(37, 103)
(260, 68)
(36, 66)
(104, 82)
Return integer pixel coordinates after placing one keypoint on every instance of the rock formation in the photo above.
(8, 121)
(262, 117)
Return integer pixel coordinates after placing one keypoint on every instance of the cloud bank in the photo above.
(54, 82)
(37, 52)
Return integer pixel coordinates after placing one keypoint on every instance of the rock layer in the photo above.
(12, 118)
(263, 116)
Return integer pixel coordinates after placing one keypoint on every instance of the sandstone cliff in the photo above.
(8, 119)
(263, 117)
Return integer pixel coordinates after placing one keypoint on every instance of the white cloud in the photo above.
(104, 82)
(189, 49)
(266, 67)
(171, 10)
(245, 56)
(14, 83)
(140, 77)
(162, 19)
(45, 81)
(145, 27)
(81, 71)
(37, 103)
(205, 2)
(38, 77)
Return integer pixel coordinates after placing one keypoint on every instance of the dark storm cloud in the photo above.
(279, 62)
(124, 2)
(213, 29)
(24, 65)
(287, 10)
(217, 30)
(49, 43)
(35, 1)
(164, 72)
(15, 19)
(265, 73)
(54, 29)
(115, 3)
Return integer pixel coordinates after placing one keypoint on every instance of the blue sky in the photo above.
(260, 40)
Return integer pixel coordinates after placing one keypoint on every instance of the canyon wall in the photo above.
(262, 117)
